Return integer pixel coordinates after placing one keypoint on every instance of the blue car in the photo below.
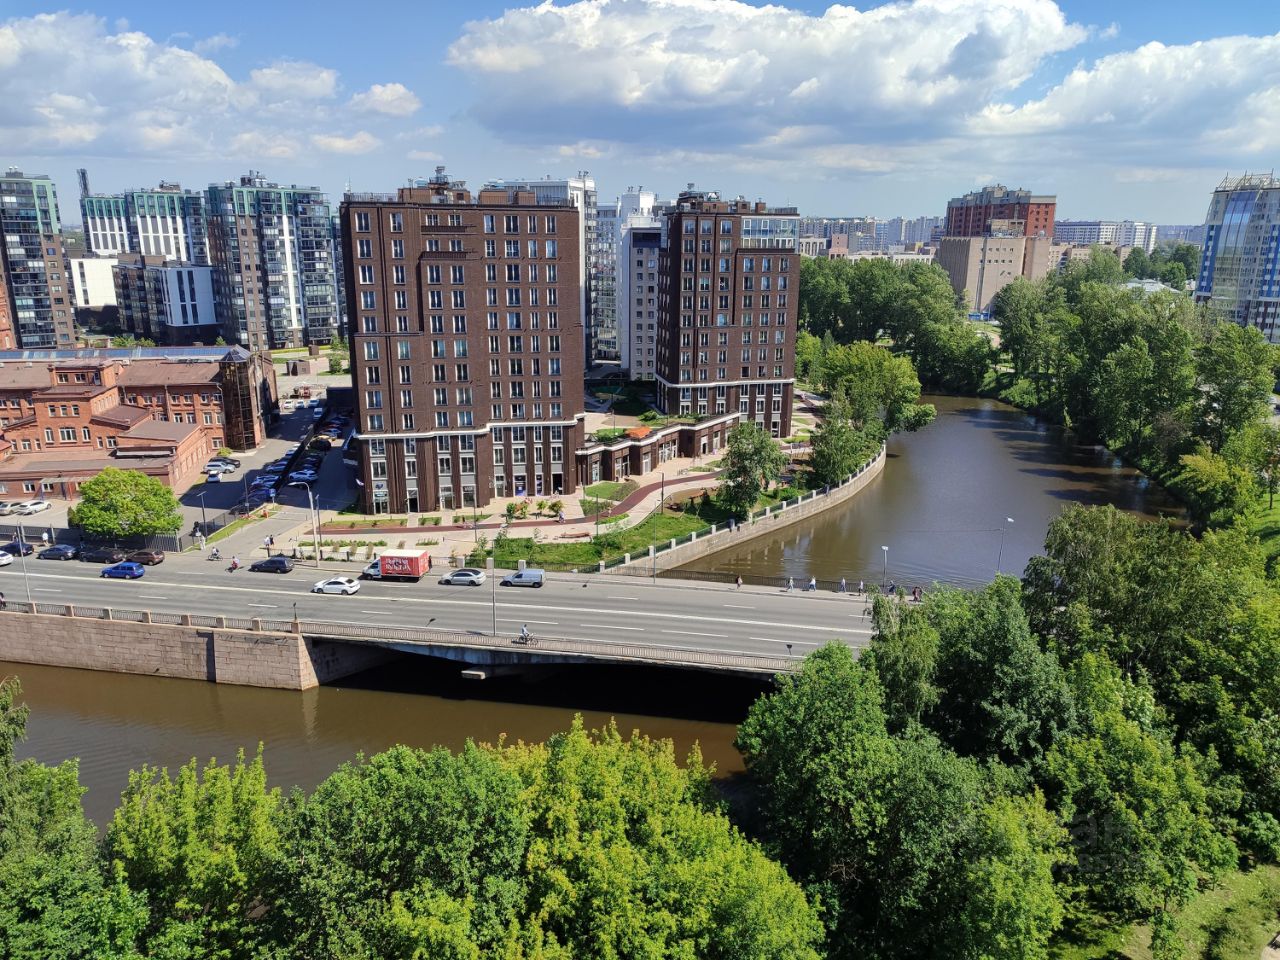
(124, 571)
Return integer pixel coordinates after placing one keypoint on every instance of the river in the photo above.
(946, 494)
(939, 507)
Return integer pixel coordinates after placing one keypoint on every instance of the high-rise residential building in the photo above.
(164, 221)
(466, 344)
(339, 274)
(92, 283)
(581, 192)
(271, 247)
(166, 301)
(602, 262)
(1121, 233)
(1240, 264)
(728, 291)
(639, 253)
(38, 301)
(999, 211)
(1181, 233)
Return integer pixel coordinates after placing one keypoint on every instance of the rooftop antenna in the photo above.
(83, 175)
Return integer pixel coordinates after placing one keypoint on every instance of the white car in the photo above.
(217, 466)
(467, 577)
(302, 476)
(28, 507)
(286, 404)
(343, 585)
(5, 558)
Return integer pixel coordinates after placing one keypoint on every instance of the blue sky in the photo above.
(1131, 110)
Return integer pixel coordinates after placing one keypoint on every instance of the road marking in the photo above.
(547, 623)
(267, 605)
(687, 633)
(610, 626)
(737, 606)
(623, 598)
(45, 590)
(792, 643)
(149, 596)
(380, 613)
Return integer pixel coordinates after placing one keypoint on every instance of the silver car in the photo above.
(467, 577)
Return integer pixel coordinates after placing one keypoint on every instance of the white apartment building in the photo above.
(1121, 233)
(164, 221)
(92, 283)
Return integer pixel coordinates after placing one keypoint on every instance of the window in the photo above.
(433, 274)
(397, 273)
(459, 348)
(368, 300)
(455, 274)
(397, 249)
(491, 248)
(372, 374)
(362, 222)
(460, 323)
(442, 418)
(375, 421)
(455, 219)
(461, 372)
(511, 224)
(553, 249)
(402, 349)
(513, 273)
(406, 374)
(488, 223)
(67, 434)
(371, 349)
(551, 224)
(396, 222)
(373, 399)
(402, 300)
(512, 248)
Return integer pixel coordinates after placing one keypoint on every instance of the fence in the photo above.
(384, 635)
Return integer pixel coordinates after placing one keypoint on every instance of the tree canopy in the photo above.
(752, 461)
(125, 503)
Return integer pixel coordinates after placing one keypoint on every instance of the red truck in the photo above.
(403, 564)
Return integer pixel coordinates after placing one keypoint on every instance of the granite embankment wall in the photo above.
(246, 657)
(721, 537)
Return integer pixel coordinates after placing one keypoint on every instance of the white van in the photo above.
(528, 577)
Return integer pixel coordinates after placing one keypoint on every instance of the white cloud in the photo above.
(392, 99)
(360, 142)
(431, 130)
(219, 41)
(424, 155)
(256, 145)
(296, 79)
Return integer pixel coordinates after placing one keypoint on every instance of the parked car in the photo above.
(317, 413)
(528, 577)
(342, 585)
(149, 557)
(5, 558)
(6, 507)
(467, 576)
(229, 461)
(278, 564)
(213, 477)
(61, 551)
(286, 404)
(302, 476)
(28, 507)
(18, 548)
(102, 555)
(124, 571)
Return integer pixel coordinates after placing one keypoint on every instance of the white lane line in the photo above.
(380, 613)
(688, 633)
(267, 605)
(548, 623)
(623, 598)
(794, 643)
(45, 590)
(737, 606)
(150, 596)
(610, 626)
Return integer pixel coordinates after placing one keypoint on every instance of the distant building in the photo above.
(1181, 233)
(1240, 264)
(37, 310)
(638, 279)
(1124, 233)
(92, 283)
(164, 221)
(271, 248)
(980, 267)
(728, 300)
(997, 211)
(166, 301)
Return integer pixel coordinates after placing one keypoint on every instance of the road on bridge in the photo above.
(609, 608)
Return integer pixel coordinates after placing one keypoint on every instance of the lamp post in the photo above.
(204, 517)
(653, 543)
(493, 593)
(1000, 552)
(884, 575)
(26, 578)
(315, 526)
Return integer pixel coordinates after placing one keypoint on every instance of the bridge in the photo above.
(574, 618)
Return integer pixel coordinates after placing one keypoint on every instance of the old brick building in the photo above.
(466, 335)
(728, 300)
(997, 210)
(66, 415)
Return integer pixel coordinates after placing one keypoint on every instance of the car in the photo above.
(6, 507)
(317, 413)
(102, 555)
(234, 461)
(18, 548)
(213, 477)
(342, 585)
(149, 557)
(5, 558)
(214, 466)
(302, 476)
(61, 551)
(321, 443)
(286, 404)
(265, 480)
(28, 507)
(528, 577)
(467, 576)
(128, 570)
(276, 564)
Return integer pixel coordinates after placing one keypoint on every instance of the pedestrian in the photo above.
(813, 584)
(862, 586)
(44, 537)
(791, 584)
(271, 540)
(560, 517)
(266, 544)
(200, 541)
(916, 594)
(844, 587)
(3, 602)
(738, 580)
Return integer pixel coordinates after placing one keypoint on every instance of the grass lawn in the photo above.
(381, 520)
(235, 525)
(1267, 528)
(611, 490)
(1234, 920)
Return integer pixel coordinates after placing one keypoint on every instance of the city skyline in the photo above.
(1121, 114)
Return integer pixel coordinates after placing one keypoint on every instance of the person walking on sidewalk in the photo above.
(791, 584)
(813, 584)
(844, 587)
(738, 581)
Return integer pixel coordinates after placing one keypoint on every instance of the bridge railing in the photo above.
(385, 634)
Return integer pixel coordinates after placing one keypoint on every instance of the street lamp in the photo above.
(493, 592)
(315, 525)
(884, 576)
(22, 552)
(1000, 552)
(204, 517)
(653, 543)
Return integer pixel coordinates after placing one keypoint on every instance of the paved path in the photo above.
(615, 609)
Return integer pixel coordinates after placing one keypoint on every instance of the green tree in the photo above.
(1138, 264)
(335, 363)
(808, 354)
(123, 503)
(1218, 490)
(1236, 370)
(838, 449)
(752, 461)
(878, 386)
(904, 655)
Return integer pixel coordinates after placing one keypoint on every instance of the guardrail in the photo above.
(384, 635)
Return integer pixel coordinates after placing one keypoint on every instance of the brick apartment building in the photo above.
(728, 301)
(997, 210)
(65, 418)
(466, 334)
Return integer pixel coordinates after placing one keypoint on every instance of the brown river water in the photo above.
(938, 507)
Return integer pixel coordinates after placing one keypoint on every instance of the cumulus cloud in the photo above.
(360, 142)
(393, 99)
(296, 79)
(219, 41)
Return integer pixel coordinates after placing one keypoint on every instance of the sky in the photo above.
(1132, 110)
